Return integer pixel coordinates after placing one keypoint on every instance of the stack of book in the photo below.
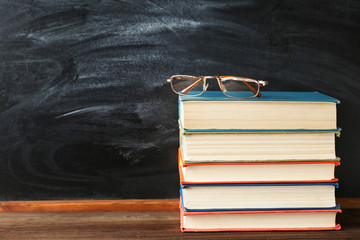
(259, 164)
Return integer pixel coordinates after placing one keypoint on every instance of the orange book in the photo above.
(256, 172)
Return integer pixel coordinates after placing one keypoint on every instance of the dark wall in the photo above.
(85, 110)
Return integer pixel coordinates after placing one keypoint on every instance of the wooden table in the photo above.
(140, 220)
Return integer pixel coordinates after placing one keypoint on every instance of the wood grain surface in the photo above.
(136, 219)
(142, 225)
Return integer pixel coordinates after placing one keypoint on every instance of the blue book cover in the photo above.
(267, 96)
(182, 187)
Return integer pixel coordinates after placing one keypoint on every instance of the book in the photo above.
(280, 220)
(285, 111)
(258, 196)
(245, 172)
(260, 164)
(257, 146)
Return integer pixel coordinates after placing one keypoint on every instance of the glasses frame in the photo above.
(260, 83)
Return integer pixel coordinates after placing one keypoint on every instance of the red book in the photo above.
(279, 220)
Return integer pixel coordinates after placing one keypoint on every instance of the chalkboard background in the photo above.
(85, 110)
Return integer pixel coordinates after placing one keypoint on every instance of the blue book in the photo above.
(258, 196)
(273, 111)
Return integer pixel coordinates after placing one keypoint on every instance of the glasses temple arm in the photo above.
(189, 88)
(262, 83)
(253, 89)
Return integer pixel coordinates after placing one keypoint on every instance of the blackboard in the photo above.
(85, 110)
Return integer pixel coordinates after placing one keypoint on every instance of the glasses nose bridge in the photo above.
(207, 77)
(213, 77)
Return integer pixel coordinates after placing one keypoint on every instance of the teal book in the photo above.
(272, 112)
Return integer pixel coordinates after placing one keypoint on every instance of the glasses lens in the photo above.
(240, 88)
(187, 85)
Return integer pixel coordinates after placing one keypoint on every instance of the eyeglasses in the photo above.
(231, 86)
